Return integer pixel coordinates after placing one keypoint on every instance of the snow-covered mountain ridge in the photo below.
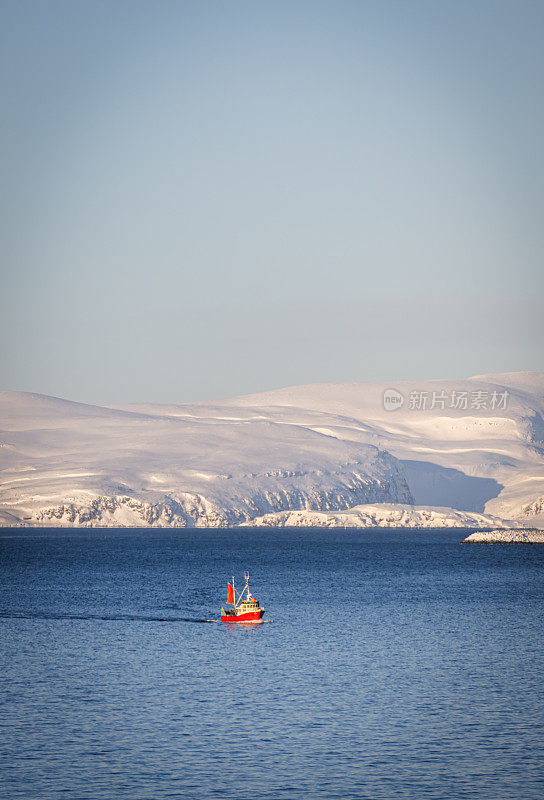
(323, 454)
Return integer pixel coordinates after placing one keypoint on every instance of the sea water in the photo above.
(393, 665)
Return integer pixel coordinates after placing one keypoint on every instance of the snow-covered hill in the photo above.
(323, 454)
(378, 515)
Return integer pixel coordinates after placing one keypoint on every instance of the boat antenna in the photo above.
(246, 587)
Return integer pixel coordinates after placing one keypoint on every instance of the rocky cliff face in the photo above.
(249, 500)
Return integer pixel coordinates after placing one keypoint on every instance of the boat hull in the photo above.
(249, 618)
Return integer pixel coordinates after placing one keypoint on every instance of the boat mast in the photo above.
(241, 594)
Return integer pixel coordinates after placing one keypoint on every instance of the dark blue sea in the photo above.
(394, 665)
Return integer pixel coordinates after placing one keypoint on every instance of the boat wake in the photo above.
(100, 617)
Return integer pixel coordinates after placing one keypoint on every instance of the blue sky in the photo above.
(213, 198)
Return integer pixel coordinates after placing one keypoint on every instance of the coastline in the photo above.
(506, 536)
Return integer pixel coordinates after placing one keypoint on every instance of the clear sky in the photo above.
(204, 199)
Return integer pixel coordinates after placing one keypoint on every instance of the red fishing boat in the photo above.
(241, 607)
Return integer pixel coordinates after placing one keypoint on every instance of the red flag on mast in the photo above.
(230, 593)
